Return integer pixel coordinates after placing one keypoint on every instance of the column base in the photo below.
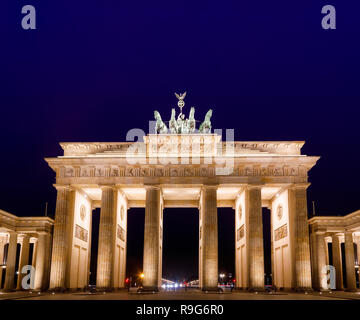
(351, 290)
(212, 290)
(148, 290)
(104, 289)
(54, 290)
(256, 289)
(303, 290)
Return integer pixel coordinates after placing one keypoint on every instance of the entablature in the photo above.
(175, 144)
(350, 222)
(31, 225)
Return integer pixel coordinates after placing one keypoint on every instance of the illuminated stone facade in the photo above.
(171, 170)
(34, 232)
(168, 171)
(336, 230)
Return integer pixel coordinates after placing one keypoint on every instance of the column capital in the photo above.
(63, 187)
(22, 236)
(107, 186)
(320, 232)
(210, 186)
(33, 239)
(253, 186)
(41, 233)
(336, 234)
(299, 186)
(152, 186)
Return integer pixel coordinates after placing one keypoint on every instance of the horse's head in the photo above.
(208, 115)
(172, 114)
(157, 115)
(192, 113)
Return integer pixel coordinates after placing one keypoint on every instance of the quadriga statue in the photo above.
(181, 125)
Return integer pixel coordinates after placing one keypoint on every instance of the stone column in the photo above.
(210, 238)
(152, 239)
(89, 247)
(272, 248)
(255, 245)
(42, 262)
(350, 262)
(2, 245)
(337, 261)
(24, 259)
(300, 240)
(358, 257)
(200, 243)
(105, 263)
(320, 261)
(64, 206)
(33, 263)
(10, 262)
(161, 240)
(358, 249)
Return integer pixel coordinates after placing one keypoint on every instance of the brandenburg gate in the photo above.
(181, 166)
(178, 167)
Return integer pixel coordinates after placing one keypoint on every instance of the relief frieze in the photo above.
(240, 233)
(120, 232)
(81, 233)
(281, 232)
(179, 171)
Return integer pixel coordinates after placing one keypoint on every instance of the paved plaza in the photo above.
(180, 295)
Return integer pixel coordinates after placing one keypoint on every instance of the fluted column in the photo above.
(2, 245)
(64, 206)
(320, 262)
(10, 263)
(300, 241)
(42, 261)
(152, 238)
(210, 238)
(350, 262)
(255, 246)
(358, 248)
(24, 259)
(89, 249)
(337, 261)
(33, 261)
(105, 263)
(272, 248)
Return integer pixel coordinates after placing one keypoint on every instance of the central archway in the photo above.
(180, 244)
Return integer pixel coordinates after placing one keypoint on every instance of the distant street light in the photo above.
(142, 275)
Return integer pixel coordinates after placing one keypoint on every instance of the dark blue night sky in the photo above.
(95, 69)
